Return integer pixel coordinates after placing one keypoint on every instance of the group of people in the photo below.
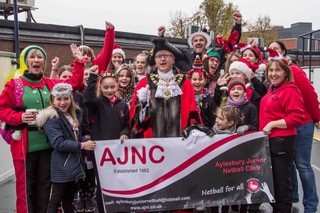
(168, 92)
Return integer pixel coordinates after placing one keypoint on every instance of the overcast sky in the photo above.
(144, 16)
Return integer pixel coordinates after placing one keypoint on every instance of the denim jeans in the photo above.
(303, 165)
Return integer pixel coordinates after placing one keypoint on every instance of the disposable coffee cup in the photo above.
(34, 113)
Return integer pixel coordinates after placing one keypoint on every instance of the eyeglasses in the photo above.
(165, 56)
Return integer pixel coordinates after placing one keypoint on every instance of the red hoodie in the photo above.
(308, 93)
(284, 103)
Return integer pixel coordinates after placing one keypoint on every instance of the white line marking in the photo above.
(315, 167)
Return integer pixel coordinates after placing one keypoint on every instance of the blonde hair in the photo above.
(229, 62)
(33, 51)
(99, 92)
(71, 110)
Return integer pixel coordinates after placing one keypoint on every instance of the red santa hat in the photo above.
(274, 55)
(244, 46)
(244, 66)
(117, 49)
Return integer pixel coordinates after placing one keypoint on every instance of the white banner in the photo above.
(142, 170)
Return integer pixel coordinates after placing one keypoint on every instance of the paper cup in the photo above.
(34, 113)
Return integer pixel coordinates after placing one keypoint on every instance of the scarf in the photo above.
(229, 130)
(239, 103)
(32, 76)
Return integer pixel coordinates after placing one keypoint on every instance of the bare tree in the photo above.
(261, 28)
(179, 22)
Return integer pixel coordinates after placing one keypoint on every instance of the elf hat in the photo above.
(32, 47)
(117, 49)
(230, 44)
(212, 53)
(197, 67)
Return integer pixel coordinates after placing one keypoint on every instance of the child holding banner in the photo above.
(227, 120)
(111, 114)
(61, 124)
(237, 97)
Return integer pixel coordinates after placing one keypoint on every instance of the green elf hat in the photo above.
(24, 54)
(28, 48)
(212, 53)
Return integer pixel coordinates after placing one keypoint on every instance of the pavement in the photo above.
(7, 187)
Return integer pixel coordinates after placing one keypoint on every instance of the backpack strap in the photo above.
(18, 90)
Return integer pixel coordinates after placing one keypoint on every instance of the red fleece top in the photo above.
(308, 93)
(104, 57)
(283, 103)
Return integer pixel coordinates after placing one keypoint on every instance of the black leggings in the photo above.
(62, 192)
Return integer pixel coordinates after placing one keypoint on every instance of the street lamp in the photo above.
(16, 31)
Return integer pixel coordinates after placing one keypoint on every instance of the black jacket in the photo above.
(110, 120)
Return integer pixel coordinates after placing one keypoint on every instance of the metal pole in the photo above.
(310, 59)
(302, 51)
(16, 31)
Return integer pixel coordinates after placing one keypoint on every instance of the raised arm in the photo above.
(104, 57)
(77, 72)
(54, 68)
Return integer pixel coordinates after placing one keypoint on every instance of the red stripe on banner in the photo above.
(178, 169)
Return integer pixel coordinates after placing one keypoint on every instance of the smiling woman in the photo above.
(281, 111)
(31, 152)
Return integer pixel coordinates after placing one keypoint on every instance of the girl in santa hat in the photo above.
(118, 57)
(237, 97)
(242, 69)
(252, 53)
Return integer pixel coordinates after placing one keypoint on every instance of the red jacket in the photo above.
(284, 103)
(12, 117)
(308, 93)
